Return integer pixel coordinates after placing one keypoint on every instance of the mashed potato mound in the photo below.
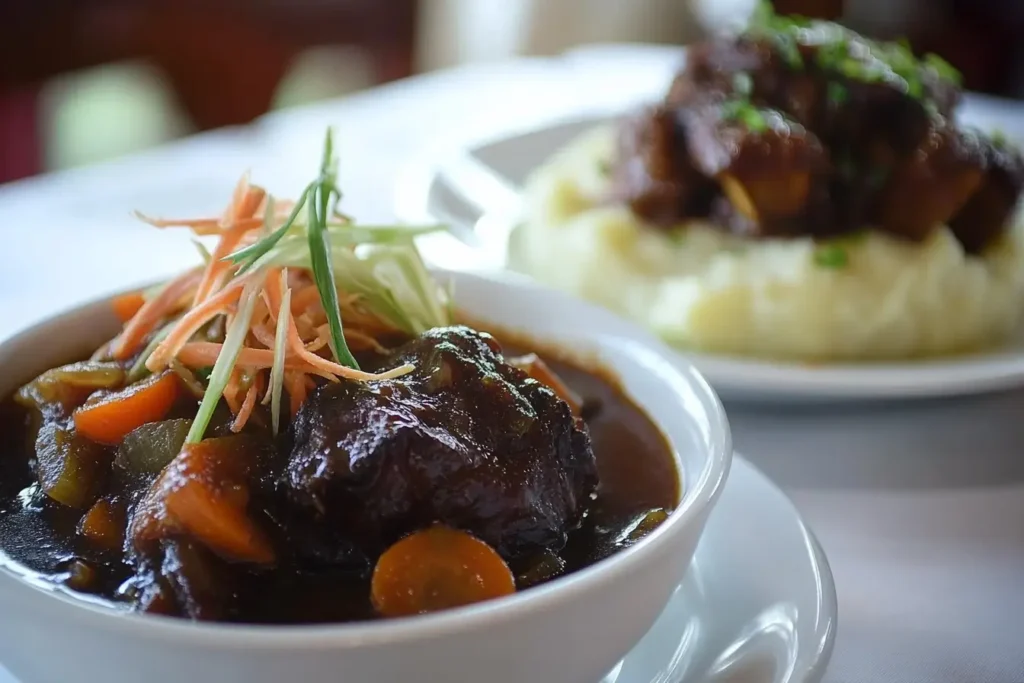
(790, 299)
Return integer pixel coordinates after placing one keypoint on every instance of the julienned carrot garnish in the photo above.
(286, 293)
(247, 405)
(152, 312)
(192, 322)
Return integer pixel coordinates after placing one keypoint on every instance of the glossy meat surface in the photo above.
(770, 169)
(657, 176)
(466, 439)
(240, 528)
(868, 141)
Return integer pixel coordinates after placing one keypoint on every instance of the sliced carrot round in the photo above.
(438, 568)
(110, 417)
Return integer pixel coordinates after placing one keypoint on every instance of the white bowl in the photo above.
(574, 629)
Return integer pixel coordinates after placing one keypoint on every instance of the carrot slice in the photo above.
(204, 493)
(218, 522)
(109, 418)
(438, 568)
(127, 305)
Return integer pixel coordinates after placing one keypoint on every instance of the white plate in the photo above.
(758, 605)
(472, 186)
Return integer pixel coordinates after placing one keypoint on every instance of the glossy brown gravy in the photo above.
(637, 471)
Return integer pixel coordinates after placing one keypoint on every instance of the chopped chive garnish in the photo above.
(837, 93)
(746, 113)
(831, 256)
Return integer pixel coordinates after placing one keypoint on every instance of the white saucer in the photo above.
(472, 187)
(758, 604)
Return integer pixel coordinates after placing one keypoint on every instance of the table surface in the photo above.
(920, 506)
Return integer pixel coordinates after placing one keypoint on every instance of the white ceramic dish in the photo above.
(573, 629)
(473, 187)
(730, 621)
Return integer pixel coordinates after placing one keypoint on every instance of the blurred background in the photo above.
(82, 81)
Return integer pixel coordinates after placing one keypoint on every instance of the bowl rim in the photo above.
(699, 493)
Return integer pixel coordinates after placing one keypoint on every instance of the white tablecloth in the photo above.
(919, 507)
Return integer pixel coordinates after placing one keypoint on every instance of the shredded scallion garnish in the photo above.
(280, 345)
(315, 255)
(319, 254)
(248, 256)
(233, 341)
(138, 369)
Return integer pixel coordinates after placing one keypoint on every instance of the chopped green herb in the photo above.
(831, 256)
(848, 54)
(789, 50)
(746, 113)
(604, 167)
(764, 15)
(915, 89)
(203, 374)
(837, 93)
(998, 138)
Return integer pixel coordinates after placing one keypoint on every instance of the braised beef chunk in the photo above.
(983, 218)
(656, 177)
(931, 185)
(290, 528)
(748, 67)
(465, 439)
(771, 169)
(867, 140)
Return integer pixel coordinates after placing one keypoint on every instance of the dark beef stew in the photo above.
(252, 527)
(798, 127)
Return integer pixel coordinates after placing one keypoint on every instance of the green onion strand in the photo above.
(249, 255)
(233, 341)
